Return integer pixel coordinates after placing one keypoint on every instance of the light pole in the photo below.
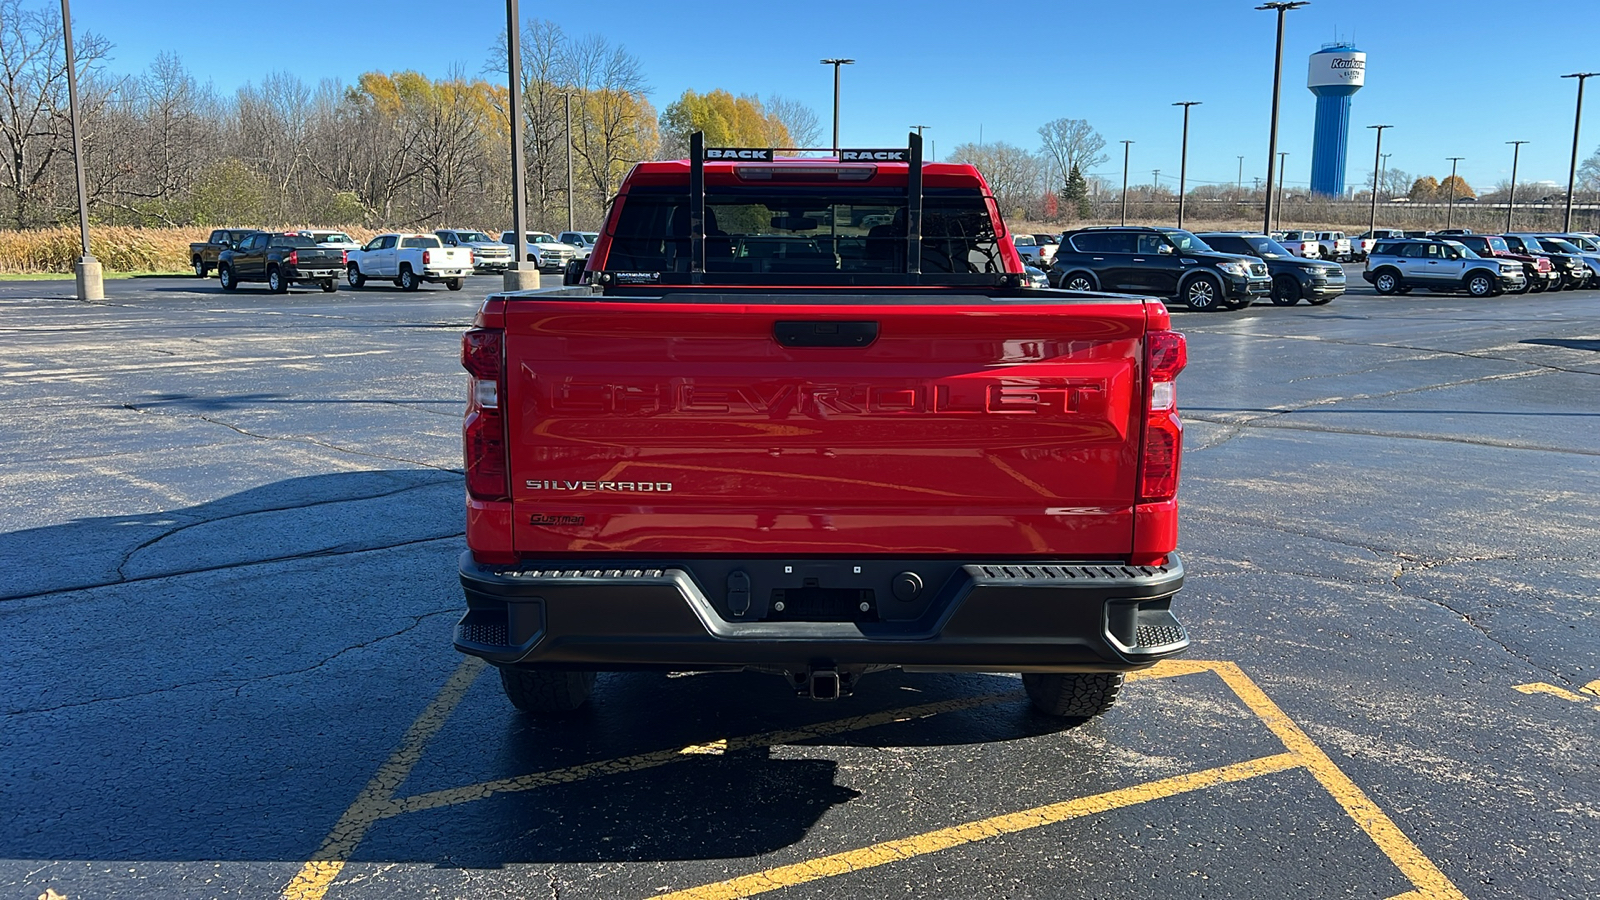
(1449, 210)
(1282, 172)
(1125, 146)
(1238, 189)
(836, 63)
(89, 276)
(1511, 202)
(1277, 81)
(1577, 120)
(519, 276)
(1183, 160)
(568, 96)
(1377, 157)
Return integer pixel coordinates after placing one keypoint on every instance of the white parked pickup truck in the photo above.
(408, 260)
(1334, 245)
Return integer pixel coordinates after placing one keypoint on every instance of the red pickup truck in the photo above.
(802, 418)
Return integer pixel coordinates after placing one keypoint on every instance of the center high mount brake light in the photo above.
(788, 172)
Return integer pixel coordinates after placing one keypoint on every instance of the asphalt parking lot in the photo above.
(227, 582)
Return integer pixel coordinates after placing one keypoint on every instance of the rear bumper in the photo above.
(993, 616)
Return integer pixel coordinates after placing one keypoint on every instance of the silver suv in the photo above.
(583, 240)
(1395, 267)
(488, 254)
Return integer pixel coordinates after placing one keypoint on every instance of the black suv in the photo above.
(1293, 277)
(1163, 262)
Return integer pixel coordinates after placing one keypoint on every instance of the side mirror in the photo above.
(1164, 249)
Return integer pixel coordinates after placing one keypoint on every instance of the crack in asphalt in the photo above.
(1408, 564)
(295, 440)
(1428, 351)
(1334, 429)
(240, 682)
(317, 554)
(127, 557)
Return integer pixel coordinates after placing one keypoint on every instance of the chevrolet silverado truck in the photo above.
(280, 260)
(408, 260)
(203, 256)
(763, 434)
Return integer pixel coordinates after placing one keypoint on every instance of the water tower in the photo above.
(1337, 72)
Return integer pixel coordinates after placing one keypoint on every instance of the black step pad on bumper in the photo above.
(1002, 616)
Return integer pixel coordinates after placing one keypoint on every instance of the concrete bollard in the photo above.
(90, 278)
(522, 279)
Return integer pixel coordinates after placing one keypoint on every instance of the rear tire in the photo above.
(453, 284)
(276, 282)
(200, 268)
(1286, 290)
(1074, 696)
(328, 286)
(1079, 281)
(408, 279)
(547, 691)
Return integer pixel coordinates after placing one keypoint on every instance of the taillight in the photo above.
(427, 257)
(294, 258)
(1165, 355)
(484, 431)
(344, 257)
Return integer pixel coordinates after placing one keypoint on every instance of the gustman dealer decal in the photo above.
(643, 487)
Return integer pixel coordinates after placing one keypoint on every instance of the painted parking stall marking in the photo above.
(378, 801)
(1589, 693)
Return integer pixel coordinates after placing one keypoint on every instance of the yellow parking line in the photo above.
(972, 832)
(1430, 882)
(640, 761)
(1539, 687)
(326, 864)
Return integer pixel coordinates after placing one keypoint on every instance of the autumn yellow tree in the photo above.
(1462, 189)
(727, 121)
(1424, 188)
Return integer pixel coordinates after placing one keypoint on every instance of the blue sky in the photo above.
(1456, 79)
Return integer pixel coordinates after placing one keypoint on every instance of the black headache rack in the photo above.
(912, 274)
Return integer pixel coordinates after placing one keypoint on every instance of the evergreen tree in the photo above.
(1075, 196)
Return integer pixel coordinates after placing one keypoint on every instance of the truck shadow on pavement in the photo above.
(218, 681)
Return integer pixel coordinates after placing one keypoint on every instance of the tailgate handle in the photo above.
(825, 334)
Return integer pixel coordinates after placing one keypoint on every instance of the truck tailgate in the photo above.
(977, 428)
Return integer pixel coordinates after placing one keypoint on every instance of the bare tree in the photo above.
(1015, 176)
(1071, 142)
(34, 128)
(618, 126)
(805, 129)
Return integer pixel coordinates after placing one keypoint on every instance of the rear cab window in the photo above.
(805, 229)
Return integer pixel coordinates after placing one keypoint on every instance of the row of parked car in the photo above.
(1208, 271)
(322, 257)
(1485, 265)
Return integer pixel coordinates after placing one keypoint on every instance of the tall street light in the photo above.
(568, 96)
(1183, 162)
(836, 63)
(90, 278)
(1238, 188)
(1511, 202)
(1125, 146)
(1282, 168)
(1449, 211)
(519, 276)
(1277, 81)
(1577, 120)
(1377, 158)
